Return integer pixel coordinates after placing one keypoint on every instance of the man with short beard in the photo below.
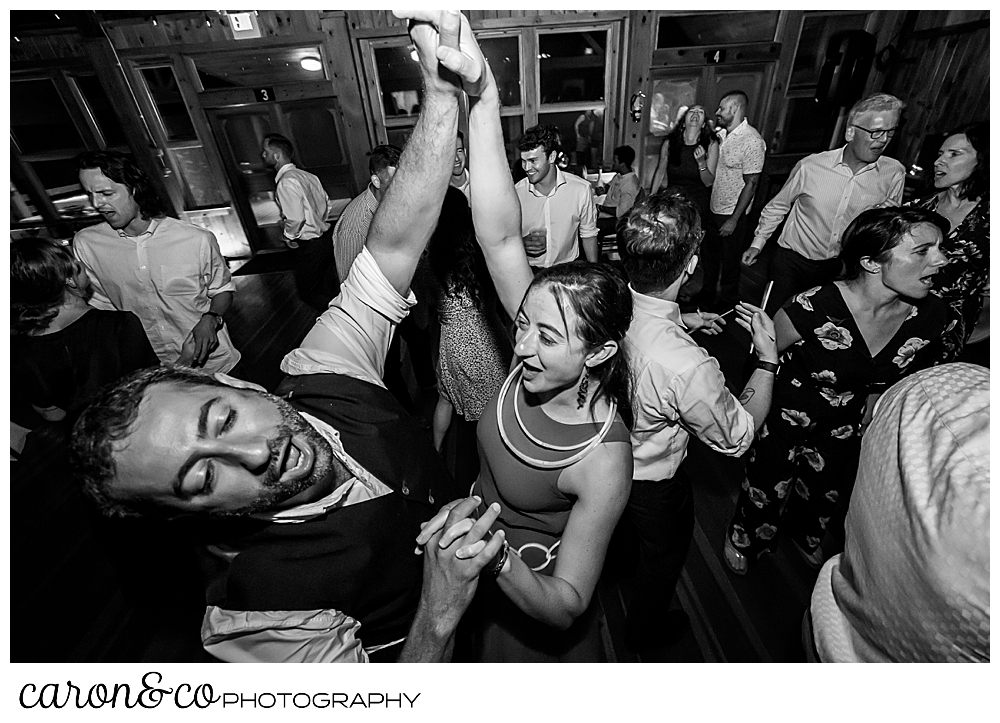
(329, 479)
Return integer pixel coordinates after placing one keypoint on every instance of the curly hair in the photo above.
(455, 258)
(39, 269)
(978, 184)
(676, 138)
(122, 169)
(603, 304)
(545, 136)
(659, 237)
(875, 232)
(109, 419)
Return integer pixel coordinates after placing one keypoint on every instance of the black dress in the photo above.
(68, 367)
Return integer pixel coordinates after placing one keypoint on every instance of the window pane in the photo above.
(572, 66)
(581, 134)
(808, 126)
(811, 52)
(317, 142)
(260, 69)
(667, 97)
(505, 60)
(39, 120)
(513, 127)
(399, 136)
(167, 96)
(681, 31)
(399, 80)
(101, 109)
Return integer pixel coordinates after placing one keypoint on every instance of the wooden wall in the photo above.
(943, 74)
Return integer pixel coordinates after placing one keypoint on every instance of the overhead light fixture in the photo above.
(311, 64)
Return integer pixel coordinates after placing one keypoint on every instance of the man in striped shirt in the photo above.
(352, 227)
(823, 194)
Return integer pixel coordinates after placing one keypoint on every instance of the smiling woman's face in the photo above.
(695, 117)
(547, 343)
(218, 450)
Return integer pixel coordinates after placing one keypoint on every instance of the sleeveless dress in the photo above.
(686, 176)
(533, 518)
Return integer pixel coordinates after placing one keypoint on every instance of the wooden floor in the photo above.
(84, 590)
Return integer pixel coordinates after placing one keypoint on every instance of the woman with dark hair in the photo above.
(688, 159)
(63, 351)
(474, 351)
(843, 344)
(962, 180)
(556, 458)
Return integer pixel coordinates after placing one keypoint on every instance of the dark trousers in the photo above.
(418, 343)
(315, 270)
(720, 257)
(661, 514)
(793, 273)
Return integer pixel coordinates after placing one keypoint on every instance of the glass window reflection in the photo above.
(504, 56)
(399, 80)
(572, 66)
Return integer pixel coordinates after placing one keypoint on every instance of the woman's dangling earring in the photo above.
(581, 396)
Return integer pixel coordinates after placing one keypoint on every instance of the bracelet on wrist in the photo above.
(767, 366)
(504, 555)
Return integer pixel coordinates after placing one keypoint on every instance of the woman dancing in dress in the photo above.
(554, 442)
(844, 343)
(962, 177)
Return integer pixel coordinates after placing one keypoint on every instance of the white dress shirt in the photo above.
(302, 201)
(822, 196)
(166, 276)
(679, 391)
(567, 210)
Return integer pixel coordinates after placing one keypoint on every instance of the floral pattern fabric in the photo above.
(964, 280)
(801, 468)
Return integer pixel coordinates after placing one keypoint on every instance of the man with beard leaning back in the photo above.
(310, 500)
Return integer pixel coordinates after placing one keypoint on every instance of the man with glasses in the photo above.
(824, 193)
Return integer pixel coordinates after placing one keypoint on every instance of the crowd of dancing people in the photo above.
(577, 383)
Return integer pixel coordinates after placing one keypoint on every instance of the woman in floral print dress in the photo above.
(843, 343)
(962, 180)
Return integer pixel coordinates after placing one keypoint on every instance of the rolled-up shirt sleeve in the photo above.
(710, 412)
(588, 216)
(279, 636)
(352, 336)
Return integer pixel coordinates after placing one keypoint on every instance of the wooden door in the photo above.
(313, 127)
(670, 88)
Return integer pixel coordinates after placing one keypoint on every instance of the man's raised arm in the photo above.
(408, 213)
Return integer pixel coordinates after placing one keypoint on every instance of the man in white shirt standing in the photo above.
(679, 391)
(741, 160)
(302, 202)
(824, 193)
(170, 274)
(556, 207)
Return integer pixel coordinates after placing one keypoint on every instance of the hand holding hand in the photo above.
(446, 36)
(704, 321)
(761, 327)
(750, 256)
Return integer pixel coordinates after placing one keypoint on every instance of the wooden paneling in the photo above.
(944, 79)
(36, 48)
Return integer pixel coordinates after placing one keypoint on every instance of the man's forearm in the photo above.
(743, 202)
(409, 211)
(426, 642)
(221, 303)
(590, 249)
